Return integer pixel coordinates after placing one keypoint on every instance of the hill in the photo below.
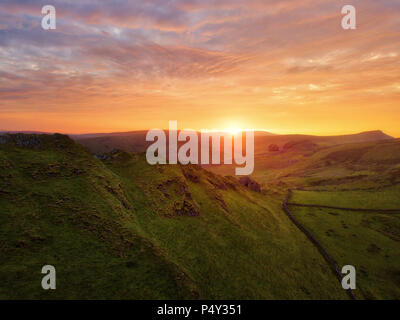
(119, 228)
(347, 196)
(136, 141)
(366, 165)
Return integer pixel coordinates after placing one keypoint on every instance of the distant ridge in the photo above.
(26, 132)
(372, 134)
(135, 141)
(365, 135)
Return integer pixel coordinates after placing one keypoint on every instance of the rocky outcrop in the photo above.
(186, 208)
(191, 173)
(176, 192)
(249, 183)
(37, 141)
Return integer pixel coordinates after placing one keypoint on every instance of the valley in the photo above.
(116, 227)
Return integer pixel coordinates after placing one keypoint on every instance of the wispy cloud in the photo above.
(241, 56)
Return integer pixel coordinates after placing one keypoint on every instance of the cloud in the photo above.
(209, 51)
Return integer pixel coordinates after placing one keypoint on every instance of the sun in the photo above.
(234, 131)
(233, 128)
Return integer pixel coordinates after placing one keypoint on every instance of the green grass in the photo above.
(358, 175)
(366, 165)
(113, 230)
(247, 250)
(122, 229)
(368, 241)
(56, 209)
(386, 198)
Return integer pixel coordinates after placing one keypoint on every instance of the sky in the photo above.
(281, 66)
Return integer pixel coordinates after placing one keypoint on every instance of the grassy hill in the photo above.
(61, 206)
(366, 165)
(118, 228)
(364, 180)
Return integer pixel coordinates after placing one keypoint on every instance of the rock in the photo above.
(218, 184)
(218, 197)
(186, 208)
(249, 183)
(22, 140)
(191, 174)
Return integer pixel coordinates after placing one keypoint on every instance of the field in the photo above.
(385, 198)
(367, 241)
(366, 232)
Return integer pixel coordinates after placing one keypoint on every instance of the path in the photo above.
(332, 263)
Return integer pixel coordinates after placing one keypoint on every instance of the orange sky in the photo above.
(281, 66)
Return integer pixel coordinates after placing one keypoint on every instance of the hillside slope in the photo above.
(348, 197)
(62, 207)
(366, 165)
(119, 228)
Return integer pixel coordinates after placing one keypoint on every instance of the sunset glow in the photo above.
(287, 66)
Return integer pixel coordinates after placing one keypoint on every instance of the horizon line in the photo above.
(199, 131)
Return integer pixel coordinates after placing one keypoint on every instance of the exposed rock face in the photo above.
(37, 141)
(106, 156)
(273, 148)
(220, 199)
(197, 174)
(21, 140)
(249, 183)
(186, 208)
(231, 182)
(176, 192)
(218, 184)
(119, 194)
(191, 173)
